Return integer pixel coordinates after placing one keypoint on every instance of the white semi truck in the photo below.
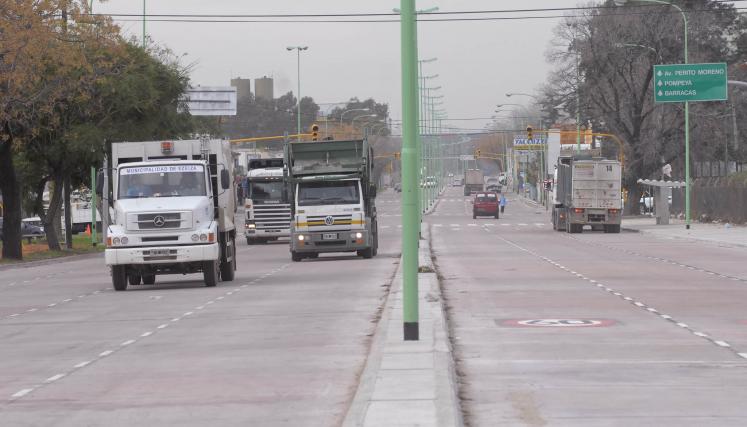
(172, 207)
(587, 192)
(268, 211)
(334, 197)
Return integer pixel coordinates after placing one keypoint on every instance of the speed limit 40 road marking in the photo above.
(557, 323)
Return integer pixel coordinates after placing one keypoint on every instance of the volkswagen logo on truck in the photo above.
(159, 221)
(329, 220)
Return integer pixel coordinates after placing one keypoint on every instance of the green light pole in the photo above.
(687, 108)
(143, 22)
(410, 211)
(298, 49)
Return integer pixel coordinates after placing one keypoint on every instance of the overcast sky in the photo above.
(478, 62)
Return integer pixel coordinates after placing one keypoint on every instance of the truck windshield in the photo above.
(162, 181)
(328, 193)
(266, 190)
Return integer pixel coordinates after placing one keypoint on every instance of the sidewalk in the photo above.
(733, 235)
(409, 383)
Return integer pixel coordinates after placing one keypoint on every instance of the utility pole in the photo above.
(410, 212)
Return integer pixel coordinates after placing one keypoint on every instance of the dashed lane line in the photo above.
(662, 260)
(106, 353)
(717, 342)
(52, 305)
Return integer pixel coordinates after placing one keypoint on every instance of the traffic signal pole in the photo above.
(410, 172)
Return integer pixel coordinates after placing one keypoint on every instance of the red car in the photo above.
(485, 204)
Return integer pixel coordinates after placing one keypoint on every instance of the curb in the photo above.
(412, 382)
(686, 238)
(66, 258)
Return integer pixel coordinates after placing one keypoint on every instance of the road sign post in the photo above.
(689, 83)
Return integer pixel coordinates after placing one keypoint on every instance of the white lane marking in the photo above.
(219, 298)
(471, 225)
(210, 302)
(521, 223)
(742, 355)
(67, 300)
(722, 343)
(453, 225)
(505, 225)
(26, 391)
(53, 378)
(189, 313)
(82, 364)
(666, 316)
(682, 325)
(146, 334)
(126, 343)
(700, 334)
(105, 353)
(52, 305)
(162, 326)
(31, 310)
(200, 307)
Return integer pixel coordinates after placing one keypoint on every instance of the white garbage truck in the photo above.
(171, 206)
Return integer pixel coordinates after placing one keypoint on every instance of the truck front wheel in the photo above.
(366, 253)
(210, 273)
(119, 277)
(134, 279)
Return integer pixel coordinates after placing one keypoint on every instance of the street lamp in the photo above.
(687, 107)
(510, 94)
(352, 122)
(298, 49)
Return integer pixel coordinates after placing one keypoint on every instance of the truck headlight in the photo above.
(116, 241)
(252, 226)
(124, 240)
(195, 237)
(301, 238)
(357, 235)
(203, 237)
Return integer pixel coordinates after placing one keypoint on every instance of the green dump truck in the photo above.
(333, 198)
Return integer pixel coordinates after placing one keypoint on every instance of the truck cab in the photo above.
(170, 214)
(268, 210)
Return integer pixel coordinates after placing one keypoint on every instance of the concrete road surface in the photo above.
(282, 345)
(593, 329)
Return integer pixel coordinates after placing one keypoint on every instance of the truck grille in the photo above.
(316, 221)
(272, 216)
(159, 221)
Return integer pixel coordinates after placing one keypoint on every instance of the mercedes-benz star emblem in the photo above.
(159, 221)
(329, 220)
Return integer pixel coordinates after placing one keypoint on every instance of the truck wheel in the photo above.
(228, 268)
(612, 228)
(376, 244)
(119, 277)
(149, 279)
(210, 273)
(134, 279)
(366, 253)
(575, 228)
(296, 257)
(249, 241)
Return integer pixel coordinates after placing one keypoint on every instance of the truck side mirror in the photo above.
(100, 183)
(225, 179)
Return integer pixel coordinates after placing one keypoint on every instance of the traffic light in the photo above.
(530, 135)
(477, 154)
(315, 132)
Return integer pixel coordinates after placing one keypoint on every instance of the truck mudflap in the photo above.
(162, 254)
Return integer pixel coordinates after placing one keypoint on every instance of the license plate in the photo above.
(329, 236)
(159, 252)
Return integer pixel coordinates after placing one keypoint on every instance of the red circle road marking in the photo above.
(557, 323)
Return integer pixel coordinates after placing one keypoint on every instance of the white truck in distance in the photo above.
(268, 212)
(172, 211)
(587, 192)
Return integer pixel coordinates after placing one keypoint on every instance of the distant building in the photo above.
(263, 88)
(243, 87)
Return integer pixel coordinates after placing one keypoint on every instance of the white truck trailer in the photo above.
(587, 191)
(172, 211)
(268, 211)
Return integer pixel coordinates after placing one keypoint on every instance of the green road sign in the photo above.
(690, 82)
